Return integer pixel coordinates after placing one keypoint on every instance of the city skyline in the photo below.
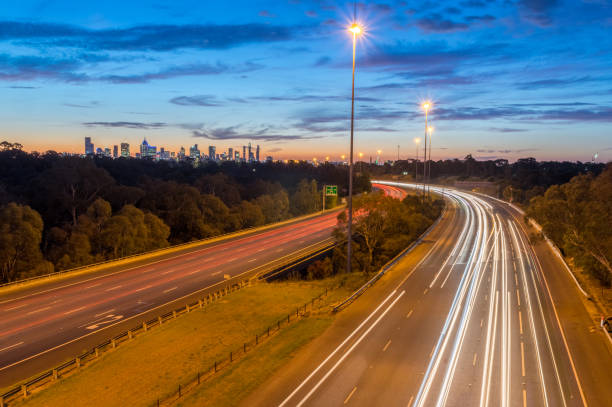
(508, 80)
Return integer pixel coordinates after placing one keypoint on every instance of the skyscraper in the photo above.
(89, 147)
(230, 153)
(236, 155)
(144, 148)
(181, 154)
(250, 153)
(244, 156)
(115, 151)
(257, 153)
(212, 153)
(194, 152)
(125, 150)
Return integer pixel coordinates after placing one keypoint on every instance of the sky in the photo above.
(508, 79)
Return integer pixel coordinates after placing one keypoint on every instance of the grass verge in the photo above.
(138, 372)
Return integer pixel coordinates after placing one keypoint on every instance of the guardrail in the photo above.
(201, 376)
(384, 269)
(65, 369)
(174, 248)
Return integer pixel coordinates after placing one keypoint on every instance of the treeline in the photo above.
(382, 228)
(517, 182)
(577, 216)
(61, 212)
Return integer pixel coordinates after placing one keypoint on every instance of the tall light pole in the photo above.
(429, 132)
(416, 159)
(356, 30)
(426, 106)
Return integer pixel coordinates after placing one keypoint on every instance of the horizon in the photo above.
(512, 80)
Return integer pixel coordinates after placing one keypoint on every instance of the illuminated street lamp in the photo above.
(356, 30)
(416, 160)
(378, 156)
(426, 106)
(360, 162)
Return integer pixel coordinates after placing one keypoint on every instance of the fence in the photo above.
(73, 365)
(201, 376)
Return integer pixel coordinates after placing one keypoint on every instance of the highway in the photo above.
(466, 319)
(43, 325)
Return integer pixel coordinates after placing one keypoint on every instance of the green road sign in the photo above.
(331, 190)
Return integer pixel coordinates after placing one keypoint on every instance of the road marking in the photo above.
(169, 271)
(481, 322)
(474, 360)
(170, 289)
(432, 351)
(518, 297)
(387, 345)
(232, 259)
(260, 250)
(17, 307)
(75, 310)
(523, 359)
(10, 347)
(348, 352)
(114, 288)
(425, 292)
(143, 288)
(38, 310)
(193, 272)
(250, 261)
(521, 322)
(217, 273)
(105, 312)
(524, 398)
(92, 286)
(410, 401)
(408, 314)
(346, 400)
(279, 250)
(515, 279)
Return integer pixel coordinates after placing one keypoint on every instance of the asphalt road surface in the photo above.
(42, 326)
(469, 318)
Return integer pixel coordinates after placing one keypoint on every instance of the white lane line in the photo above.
(143, 288)
(350, 350)
(12, 346)
(114, 288)
(16, 307)
(279, 250)
(260, 250)
(91, 286)
(346, 400)
(337, 349)
(232, 259)
(387, 345)
(250, 261)
(193, 272)
(105, 312)
(474, 360)
(170, 289)
(167, 272)
(408, 314)
(216, 273)
(75, 310)
(38, 310)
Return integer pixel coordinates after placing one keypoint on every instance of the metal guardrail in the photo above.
(384, 269)
(177, 247)
(24, 389)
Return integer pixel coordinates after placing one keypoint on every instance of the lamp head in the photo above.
(426, 105)
(355, 29)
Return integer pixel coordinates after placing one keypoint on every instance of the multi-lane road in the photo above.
(47, 323)
(469, 318)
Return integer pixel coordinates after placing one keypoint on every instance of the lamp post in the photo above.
(416, 159)
(426, 106)
(355, 29)
(429, 132)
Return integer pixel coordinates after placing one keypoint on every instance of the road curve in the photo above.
(467, 320)
(40, 326)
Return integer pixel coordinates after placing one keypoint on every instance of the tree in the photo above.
(306, 198)
(20, 235)
(248, 215)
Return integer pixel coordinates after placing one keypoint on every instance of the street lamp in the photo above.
(416, 160)
(355, 29)
(429, 132)
(426, 106)
(378, 156)
(360, 162)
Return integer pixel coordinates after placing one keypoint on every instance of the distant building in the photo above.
(115, 151)
(125, 150)
(212, 153)
(99, 151)
(236, 155)
(146, 150)
(257, 153)
(194, 152)
(230, 153)
(89, 147)
(244, 156)
(250, 153)
(269, 159)
(181, 154)
(107, 152)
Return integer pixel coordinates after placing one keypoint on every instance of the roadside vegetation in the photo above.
(153, 364)
(60, 212)
(577, 217)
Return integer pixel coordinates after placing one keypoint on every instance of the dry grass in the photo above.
(153, 364)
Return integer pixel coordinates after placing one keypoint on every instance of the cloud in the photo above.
(594, 114)
(311, 13)
(552, 83)
(266, 14)
(129, 125)
(234, 133)
(435, 23)
(538, 12)
(506, 151)
(274, 150)
(325, 60)
(485, 18)
(22, 87)
(143, 37)
(506, 130)
(199, 100)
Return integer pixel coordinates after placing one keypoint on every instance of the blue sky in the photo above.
(509, 79)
